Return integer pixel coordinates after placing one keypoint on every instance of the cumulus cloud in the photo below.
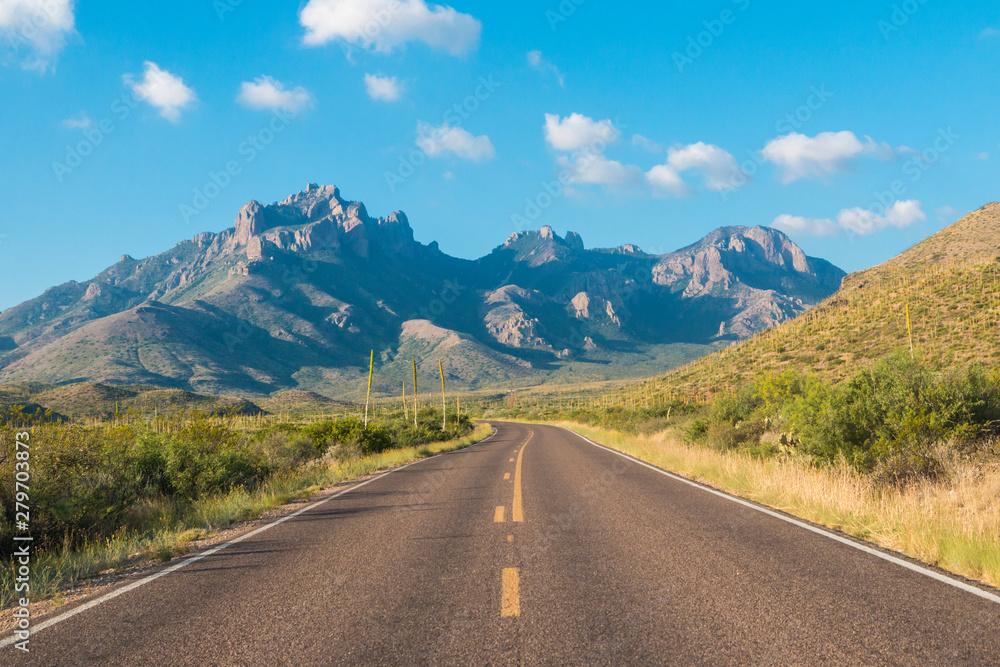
(163, 90)
(383, 88)
(385, 25)
(718, 167)
(859, 221)
(822, 156)
(81, 121)
(577, 131)
(982, 156)
(444, 139)
(37, 26)
(595, 169)
(665, 179)
(538, 62)
(270, 94)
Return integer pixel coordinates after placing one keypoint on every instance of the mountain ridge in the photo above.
(294, 295)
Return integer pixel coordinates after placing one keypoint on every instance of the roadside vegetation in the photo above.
(105, 496)
(899, 452)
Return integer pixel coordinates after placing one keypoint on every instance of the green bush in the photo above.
(888, 419)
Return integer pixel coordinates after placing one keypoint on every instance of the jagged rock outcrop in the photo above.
(298, 292)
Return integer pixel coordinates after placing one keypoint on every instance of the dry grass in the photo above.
(62, 569)
(954, 523)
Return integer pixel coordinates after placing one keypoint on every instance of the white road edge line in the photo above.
(986, 595)
(173, 568)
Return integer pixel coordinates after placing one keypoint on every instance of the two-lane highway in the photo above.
(535, 547)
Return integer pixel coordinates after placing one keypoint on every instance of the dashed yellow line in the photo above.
(510, 593)
(518, 509)
(500, 515)
(506, 476)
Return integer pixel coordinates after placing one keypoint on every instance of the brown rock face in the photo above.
(249, 222)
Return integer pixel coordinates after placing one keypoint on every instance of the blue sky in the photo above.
(858, 127)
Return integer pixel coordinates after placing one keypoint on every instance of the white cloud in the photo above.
(384, 25)
(990, 32)
(40, 26)
(267, 93)
(538, 62)
(577, 131)
(828, 153)
(982, 156)
(863, 222)
(437, 141)
(858, 221)
(664, 178)
(717, 166)
(794, 224)
(163, 90)
(646, 144)
(81, 121)
(384, 88)
(593, 168)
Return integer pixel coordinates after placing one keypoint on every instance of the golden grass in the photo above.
(953, 524)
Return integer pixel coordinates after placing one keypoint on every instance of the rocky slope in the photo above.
(297, 293)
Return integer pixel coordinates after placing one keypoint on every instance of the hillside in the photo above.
(950, 281)
(296, 294)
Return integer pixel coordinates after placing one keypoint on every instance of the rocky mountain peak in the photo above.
(320, 218)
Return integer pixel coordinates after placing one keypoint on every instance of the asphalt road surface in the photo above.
(534, 547)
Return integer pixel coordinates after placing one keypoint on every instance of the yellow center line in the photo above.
(511, 461)
(500, 515)
(510, 602)
(506, 476)
(518, 509)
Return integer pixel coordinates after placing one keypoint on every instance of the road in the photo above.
(534, 547)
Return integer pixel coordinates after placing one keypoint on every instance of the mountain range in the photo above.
(297, 293)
